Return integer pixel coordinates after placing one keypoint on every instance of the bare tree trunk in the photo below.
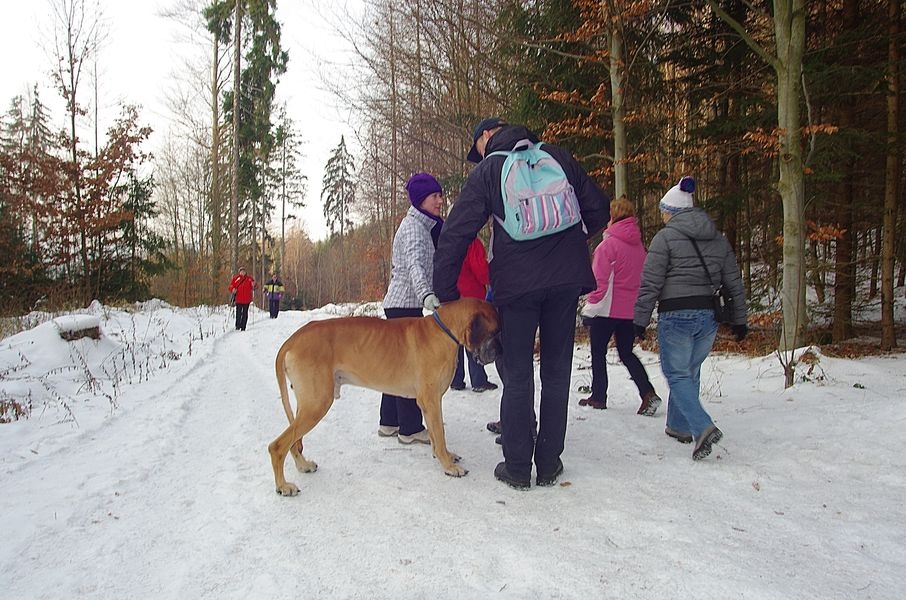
(216, 200)
(789, 28)
(891, 184)
(237, 85)
(617, 78)
(72, 51)
(789, 33)
(254, 258)
(394, 101)
(844, 257)
(874, 261)
(283, 203)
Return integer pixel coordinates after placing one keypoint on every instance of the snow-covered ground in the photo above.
(143, 472)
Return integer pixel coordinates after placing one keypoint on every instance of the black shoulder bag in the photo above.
(720, 298)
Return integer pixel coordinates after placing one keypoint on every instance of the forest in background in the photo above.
(786, 112)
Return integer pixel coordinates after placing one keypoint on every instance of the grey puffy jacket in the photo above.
(673, 275)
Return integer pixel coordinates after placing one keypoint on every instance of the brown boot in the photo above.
(650, 404)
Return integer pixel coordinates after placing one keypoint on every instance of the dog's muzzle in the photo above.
(488, 351)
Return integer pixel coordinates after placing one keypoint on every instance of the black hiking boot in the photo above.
(547, 480)
(503, 474)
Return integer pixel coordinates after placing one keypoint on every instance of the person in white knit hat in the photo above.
(678, 197)
(687, 261)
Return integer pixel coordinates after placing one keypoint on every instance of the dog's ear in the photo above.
(476, 333)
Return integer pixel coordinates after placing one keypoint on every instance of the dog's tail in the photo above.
(280, 368)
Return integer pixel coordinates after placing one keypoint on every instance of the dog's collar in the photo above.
(445, 329)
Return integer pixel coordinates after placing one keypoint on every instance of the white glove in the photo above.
(431, 302)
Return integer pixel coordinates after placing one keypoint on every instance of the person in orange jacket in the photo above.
(472, 283)
(243, 285)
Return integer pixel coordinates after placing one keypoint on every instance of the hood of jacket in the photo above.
(507, 137)
(693, 222)
(627, 231)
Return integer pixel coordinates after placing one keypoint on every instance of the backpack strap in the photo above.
(524, 144)
(704, 266)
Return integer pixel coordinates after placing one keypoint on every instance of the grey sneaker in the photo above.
(710, 436)
(680, 436)
(421, 437)
(387, 430)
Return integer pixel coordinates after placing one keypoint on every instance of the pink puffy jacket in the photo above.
(617, 264)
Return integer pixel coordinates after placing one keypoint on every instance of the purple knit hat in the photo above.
(420, 186)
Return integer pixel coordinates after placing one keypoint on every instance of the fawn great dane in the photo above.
(410, 357)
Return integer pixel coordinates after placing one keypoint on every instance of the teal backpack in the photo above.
(538, 199)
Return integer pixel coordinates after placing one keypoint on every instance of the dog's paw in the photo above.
(306, 466)
(456, 471)
(453, 457)
(287, 489)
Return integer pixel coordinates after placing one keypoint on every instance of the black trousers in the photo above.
(600, 330)
(242, 316)
(397, 411)
(552, 313)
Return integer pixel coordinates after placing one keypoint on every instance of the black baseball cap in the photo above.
(489, 123)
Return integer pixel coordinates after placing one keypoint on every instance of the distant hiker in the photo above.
(273, 290)
(242, 285)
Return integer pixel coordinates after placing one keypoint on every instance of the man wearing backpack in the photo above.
(537, 283)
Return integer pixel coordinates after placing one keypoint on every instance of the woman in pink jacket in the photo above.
(617, 264)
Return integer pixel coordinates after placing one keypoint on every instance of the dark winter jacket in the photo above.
(518, 267)
(673, 275)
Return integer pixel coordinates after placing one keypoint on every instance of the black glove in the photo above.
(740, 331)
(640, 332)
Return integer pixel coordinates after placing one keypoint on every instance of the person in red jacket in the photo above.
(472, 283)
(242, 285)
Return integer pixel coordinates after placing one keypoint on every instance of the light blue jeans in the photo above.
(685, 338)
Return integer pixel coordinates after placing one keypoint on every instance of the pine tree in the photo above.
(338, 189)
(265, 61)
(287, 182)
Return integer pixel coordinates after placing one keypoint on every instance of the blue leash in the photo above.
(445, 328)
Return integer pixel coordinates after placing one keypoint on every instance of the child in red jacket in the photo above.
(472, 283)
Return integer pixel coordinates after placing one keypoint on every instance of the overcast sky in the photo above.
(141, 52)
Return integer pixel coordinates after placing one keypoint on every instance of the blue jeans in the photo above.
(685, 338)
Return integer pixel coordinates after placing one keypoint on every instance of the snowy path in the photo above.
(173, 498)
